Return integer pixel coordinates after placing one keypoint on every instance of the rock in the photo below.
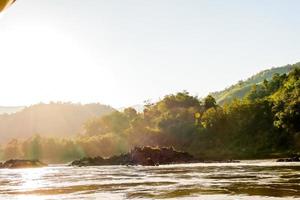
(15, 164)
(145, 156)
(292, 159)
(230, 161)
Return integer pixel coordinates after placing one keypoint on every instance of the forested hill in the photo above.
(54, 119)
(240, 89)
(264, 124)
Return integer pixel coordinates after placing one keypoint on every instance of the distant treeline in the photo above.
(265, 123)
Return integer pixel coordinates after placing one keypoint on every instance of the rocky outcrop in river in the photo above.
(15, 164)
(292, 159)
(145, 156)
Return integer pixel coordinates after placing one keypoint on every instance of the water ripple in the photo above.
(213, 181)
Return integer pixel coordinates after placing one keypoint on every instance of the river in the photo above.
(230, 181)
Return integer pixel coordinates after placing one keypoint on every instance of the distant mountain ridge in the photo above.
(50, 120)
(138, 107)
(10, 109)
(239, 90)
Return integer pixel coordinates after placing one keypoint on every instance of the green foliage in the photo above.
(287, 103)
(209, 102)
(32, 148)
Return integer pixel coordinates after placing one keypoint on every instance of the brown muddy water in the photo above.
(238, 181)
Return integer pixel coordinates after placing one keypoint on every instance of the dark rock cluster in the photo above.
(15, 164)
(292, 159)
(146, 156)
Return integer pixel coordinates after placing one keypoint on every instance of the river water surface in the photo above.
(246, 180)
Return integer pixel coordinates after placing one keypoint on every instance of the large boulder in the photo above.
(15, 164)
(146, 156)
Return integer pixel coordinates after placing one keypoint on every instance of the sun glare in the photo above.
(49, 65)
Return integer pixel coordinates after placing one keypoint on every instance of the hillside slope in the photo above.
(54, 119)
(240, 89)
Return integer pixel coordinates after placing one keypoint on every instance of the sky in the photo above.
(124, 52)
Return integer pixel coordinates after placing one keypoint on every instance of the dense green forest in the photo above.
(239, 90)
(265, 123)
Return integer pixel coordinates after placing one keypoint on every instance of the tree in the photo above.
(32, 148)
(287, 103)
(131, 113)
(12, 150)
(209, 102)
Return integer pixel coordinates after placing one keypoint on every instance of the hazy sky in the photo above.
(127, 51)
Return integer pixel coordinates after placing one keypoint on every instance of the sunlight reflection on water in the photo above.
(32, 178)
(247, 180)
